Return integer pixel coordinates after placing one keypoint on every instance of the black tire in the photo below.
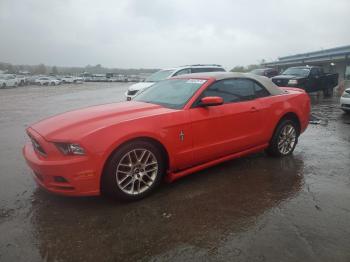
(273, 148)
(109, 184)
(3, 85)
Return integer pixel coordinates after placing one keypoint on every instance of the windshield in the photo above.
(172, 93)
(295, 71)
(159, 76)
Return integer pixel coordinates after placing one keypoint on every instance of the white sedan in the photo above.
(47, 81)
(8, 80)
(345, 101)
(72, 79)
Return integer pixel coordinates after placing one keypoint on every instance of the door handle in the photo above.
(254, 109)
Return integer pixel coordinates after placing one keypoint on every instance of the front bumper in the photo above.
(345, 103)
(74, 176)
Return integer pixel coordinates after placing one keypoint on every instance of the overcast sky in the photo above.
(159, 33)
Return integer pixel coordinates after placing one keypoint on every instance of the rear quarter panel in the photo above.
(292, 101)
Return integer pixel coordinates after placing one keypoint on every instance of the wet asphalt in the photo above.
(255, 208)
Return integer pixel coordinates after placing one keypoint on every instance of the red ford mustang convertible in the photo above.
(173, 128)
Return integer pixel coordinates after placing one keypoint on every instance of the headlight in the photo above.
(293, 82)
(346, 94)
(70, 149)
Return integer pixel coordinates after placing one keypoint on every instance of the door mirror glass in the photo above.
(211, 101)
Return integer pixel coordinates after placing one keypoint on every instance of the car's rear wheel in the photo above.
(284, 139)
(133, 171)
(3, 85)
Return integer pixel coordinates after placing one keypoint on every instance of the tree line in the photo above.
(42, 69)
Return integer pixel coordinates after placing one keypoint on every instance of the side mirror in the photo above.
(211, 101)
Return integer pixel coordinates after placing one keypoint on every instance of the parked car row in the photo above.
(111, 77)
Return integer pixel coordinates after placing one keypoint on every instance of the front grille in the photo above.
(132, 92)
(37, 146)
(345, 105)
(280, 82)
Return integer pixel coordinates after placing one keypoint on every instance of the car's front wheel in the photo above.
(133, 171)
(284, 139)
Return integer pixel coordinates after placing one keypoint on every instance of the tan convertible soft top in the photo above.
(266, 82)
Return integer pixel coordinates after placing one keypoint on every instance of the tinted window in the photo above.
(271, 73)
(316, 71)
(183, 72)
(207, 69)
(232, 90)
(260, 91)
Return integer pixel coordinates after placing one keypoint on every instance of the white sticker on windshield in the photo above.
(196, 81)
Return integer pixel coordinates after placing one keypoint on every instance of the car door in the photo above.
(315, 80)
(228, 128)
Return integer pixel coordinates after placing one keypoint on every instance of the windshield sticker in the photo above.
(196, 81)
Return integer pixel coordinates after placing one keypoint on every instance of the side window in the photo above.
(207, 69)
(314, 72)
(260, 91)
(271, 73)
(200, 70)
(232, 90)
(183, 72)
(217, 69)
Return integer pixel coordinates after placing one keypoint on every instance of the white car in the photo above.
(47, 81)
(168, 73)
(8, 80)
(71, 79)
(345, 101)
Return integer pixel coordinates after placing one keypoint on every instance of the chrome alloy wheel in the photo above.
(136, 171)
(287, 139)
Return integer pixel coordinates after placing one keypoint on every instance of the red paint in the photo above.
(213, 134)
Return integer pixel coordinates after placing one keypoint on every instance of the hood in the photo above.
(287, 77)
(140, 86)
(73, 125)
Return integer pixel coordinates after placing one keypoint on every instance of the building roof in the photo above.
(332, 54)
(266, 82)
